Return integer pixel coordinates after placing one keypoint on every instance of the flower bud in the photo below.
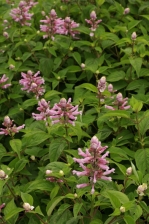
(126, 11)
(75, 195)
(11, 66)
(129, 171)
(119, 97)
(61, 172)
(93, 15)
(27, 207)
(63, 102)
(5, 34)
(33, 157)
(110, 88)
(134, 36)
(48, 172)
(82, 65)
(2, 174)
(122, 209)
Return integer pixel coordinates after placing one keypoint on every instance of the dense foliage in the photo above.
(74, 87)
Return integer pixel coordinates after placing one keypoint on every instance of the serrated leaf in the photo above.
(56, 148)
(89, 87)
(16, 145)
(53, 203)
(76, 209)
(27, 198)
(116, 76)
(136, 64)
(142, 160)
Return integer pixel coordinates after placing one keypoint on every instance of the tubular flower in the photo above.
(32, 83)
(54, 25)
(3, 81)
(120, 102)
(93, 22)
(96, 164)
(11, 128)
(64, 112)
(21, 13)
(44, 108)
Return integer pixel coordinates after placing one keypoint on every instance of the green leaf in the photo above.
(117, 198)
(136, 84)
(74, 220)
(34, 138)
(134, 171)
(115, 113)
(144, 125)
(100, 2)
(20, 164)
(62, 208)
(136, 64)
(49, 95)
(77, 57)
(56, 148)
(133, 23)
(3, 151)
(52, 204)
(27, 198)
(116, 76)
(26, 55)
(74, 68)
(28, 103)
(142, 160)
(39, 46)
(16, 145)
(54, 191)
(76, 209)
(135, 104)
(136, 212)
(38, 211)
(128, 219)
(57, 166)
(89, 87)
(41, 184)
(46, 66)
(13, 212)
(96, 221)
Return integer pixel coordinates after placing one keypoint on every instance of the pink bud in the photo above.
(134, 36)
(93, 15)
(126, 11)
(63, 102)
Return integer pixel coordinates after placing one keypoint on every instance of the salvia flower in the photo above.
(64, 112)
(10, 128)
(52, 25)
(3, 81)
(68, 27)
(93, 22)
(44, 108)
(21, 13)
(120, 102)
(3, 175)
(28, 207)
(94, 164)
(32, 83)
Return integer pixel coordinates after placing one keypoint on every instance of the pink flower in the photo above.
(11, 128)
(120, 102)
(32, 83)
(44, 108)
(64, 112)
(21, 13)
(96, 167)
(3, 81)
(93, 22)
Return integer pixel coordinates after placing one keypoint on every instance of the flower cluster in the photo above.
(44, 108)
(32, 83)
(141, 189)
(21, 13)
(64, 112)
(120, 102)
(93, 22)
(3, 81)
(97, 166)
(11, 128)
(54, 25)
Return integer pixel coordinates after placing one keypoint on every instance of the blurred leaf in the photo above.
(142, 160)
(16, 145)
(27, 198)
(136, 64)
(76, 209)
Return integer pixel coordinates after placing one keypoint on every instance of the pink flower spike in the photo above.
(82, 185)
